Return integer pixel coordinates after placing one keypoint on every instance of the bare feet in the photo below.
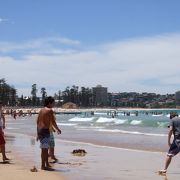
(6, 159)
(49, 166)
(162, 172)
(54, 160)
(47, 169)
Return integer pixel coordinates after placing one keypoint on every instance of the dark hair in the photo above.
(48, 100)
(1, 103)
(173, 114)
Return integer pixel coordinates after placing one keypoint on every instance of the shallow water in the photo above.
(145, 131)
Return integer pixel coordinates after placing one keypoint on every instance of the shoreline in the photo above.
(113, 139)
(98, 145)
(59, 109)
(102, 143)
(99, 163)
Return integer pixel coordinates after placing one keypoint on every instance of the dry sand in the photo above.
(16, 169)
(17, 172)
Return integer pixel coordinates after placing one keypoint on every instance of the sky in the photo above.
(125, 45)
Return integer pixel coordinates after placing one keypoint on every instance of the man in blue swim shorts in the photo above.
(44, 120)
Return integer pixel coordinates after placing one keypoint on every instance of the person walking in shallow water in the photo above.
(2, 140)
(174, 128)
(44, 121)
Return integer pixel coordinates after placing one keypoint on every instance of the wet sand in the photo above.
(100, 162)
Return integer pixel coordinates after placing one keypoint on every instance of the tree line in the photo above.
(80, 96)
(8, 94)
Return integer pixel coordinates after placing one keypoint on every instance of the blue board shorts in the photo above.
(174, 148)
(44, 137)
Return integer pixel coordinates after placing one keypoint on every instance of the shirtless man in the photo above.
(44, 120)
(2, 140)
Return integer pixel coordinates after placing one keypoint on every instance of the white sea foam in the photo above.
(79, 119)
(106, 120)
(89, 127)
(157, 115)
(130, 132)
(162, 124)
(66, 124)
(120, 114)
(121, 121)
(100, 113)
(136, 122)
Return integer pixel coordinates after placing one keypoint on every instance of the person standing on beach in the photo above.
(52, 143)
(44, 121)
(174, 128)
(2, 140)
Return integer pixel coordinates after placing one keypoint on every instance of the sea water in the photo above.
(128, 129)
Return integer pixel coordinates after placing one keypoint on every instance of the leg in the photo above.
(168, 161)
(46, 159)
(51, 147)
(3, 151)
(52, 154)
(43, 158)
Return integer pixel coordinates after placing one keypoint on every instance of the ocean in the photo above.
(142, 130)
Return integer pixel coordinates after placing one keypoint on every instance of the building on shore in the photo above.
(177, 98)
(100, 95)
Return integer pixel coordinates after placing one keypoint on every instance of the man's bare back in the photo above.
(45, 117)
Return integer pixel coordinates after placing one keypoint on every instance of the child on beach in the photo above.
(174, 128)
(44, 121)
(52, 144)
(2, 140)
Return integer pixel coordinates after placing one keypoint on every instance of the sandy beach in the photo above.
(109, 155)
(99, 162)
(17, 172)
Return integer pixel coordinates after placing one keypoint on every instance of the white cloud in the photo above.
(144, 64)
(3, 20)
(42, 45)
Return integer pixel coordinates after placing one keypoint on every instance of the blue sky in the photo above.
(126, 45)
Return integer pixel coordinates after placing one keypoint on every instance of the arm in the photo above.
(54, 123)
(169, 135)
(37, 122)
(3, 118)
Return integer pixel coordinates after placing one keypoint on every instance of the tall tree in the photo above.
(2, 89)
(66, 94)
(44, 94)
(34, 96)
(7, 93)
